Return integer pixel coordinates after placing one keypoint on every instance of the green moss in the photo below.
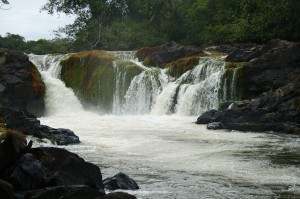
(232, 83)
(37, 83)
(93, 76)
(179, 67)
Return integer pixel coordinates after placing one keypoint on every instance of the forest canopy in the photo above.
(131, 24)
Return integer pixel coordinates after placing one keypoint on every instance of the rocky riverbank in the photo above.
(42, 173)
(271, 90)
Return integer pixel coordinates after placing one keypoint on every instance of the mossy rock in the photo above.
(179, 67)
(92, 75)
(145, 52)
(4, 132)
(233, 65)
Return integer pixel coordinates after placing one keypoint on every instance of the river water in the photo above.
(170, 156)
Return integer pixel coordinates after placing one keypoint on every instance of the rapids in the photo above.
(168, 154)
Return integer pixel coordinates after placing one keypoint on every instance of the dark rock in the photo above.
(272, 111)
(6, 190)
(209, 116)
(27, 123)
(227, 49)
(64, 192)
(28, 173)
(120, 181)
(271, 97)
(67, 168)
(117, 195)
(21, 84)
(168, 52)
(11, 149)
(215, 125)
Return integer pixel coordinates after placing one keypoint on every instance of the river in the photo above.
(170, 156)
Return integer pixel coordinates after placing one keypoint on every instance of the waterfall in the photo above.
(194, 92)
(58, 99)
(136, 89)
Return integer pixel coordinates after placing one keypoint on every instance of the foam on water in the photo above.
(169, 155)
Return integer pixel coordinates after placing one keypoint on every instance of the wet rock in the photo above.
(117, 195)
(166, 53)
(120, 181)
(228, 49)
(67, 168)
(6, 190)
(27, 123)
(64, 192)
(209, 116)
(11, 149)
(272, 111)
(28, 173)
(271, 97)
(21, 85)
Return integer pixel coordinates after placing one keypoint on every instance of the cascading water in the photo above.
(58, 99)
(168, 155)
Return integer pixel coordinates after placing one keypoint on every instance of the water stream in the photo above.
(168, 154)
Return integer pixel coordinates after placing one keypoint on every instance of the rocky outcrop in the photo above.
(94, 75)
(271, 97)
(48, 173)
(120, 181)
(21, 86)
(161, 55)
(27, 123)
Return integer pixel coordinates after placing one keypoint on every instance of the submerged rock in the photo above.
(120, 181)
(21, 85)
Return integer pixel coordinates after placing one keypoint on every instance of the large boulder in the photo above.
(120, 181)
(27, 173)
(67, 168)
(23, 121)
(11, 148)
(64, 192)
(21, 85)
(166, 53)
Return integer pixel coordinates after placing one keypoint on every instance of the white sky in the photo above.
(24, 18)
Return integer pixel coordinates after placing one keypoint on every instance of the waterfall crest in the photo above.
(133, 88)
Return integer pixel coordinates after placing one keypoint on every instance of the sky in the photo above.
(23, 17)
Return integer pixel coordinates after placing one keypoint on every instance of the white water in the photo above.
(171, 156)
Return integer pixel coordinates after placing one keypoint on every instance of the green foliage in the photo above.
(132, 24)
(41, 46)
